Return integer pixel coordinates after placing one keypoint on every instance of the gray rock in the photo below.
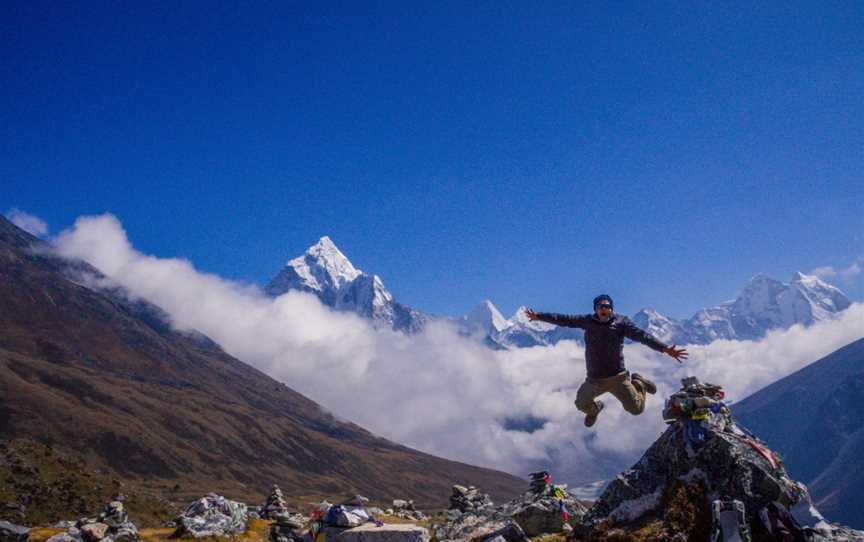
(10, 532)
(63, 537)
(386, 533)
(540, 517)
(213, 515)
(65, 524)
(287, 528)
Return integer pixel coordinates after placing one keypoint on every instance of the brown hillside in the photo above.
(88, 372)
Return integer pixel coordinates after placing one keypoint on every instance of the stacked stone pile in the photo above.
(274, 506)
(705, 460)
(469, 499)
(405, 509)
(212, 515)
(546, 509)
(539, 481)
(111, 525)
(537, 511)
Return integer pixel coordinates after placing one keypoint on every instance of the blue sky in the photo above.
(530, 153)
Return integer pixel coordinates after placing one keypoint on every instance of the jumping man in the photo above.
(604, 357)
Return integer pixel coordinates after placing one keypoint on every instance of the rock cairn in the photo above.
(540, 481)
(537, 511)
(469, 499)
(404, 509)
(212, 515)
(111, 525)
(274, 506)
(705, 457)
(546, 508)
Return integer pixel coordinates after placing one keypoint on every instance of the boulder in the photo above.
(63, 537)
(286, 528)
(10, 532)
(94, 532)
(385, 533)
(540, 517)
(212, 515)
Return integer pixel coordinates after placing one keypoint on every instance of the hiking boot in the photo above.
(647, 385)
(590, 419)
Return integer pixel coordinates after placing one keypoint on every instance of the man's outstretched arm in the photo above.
(634, 333)
(564, 320)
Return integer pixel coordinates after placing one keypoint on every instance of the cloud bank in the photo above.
(27, 222)
(437, 391)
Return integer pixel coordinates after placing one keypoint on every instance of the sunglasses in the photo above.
(604, 306)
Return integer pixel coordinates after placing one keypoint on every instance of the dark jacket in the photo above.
(604, 341)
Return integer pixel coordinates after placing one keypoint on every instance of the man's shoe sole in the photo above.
(591, 420)
(649, 386)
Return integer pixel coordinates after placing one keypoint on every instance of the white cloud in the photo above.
(844, 273)
(27, 222)
(437, 391)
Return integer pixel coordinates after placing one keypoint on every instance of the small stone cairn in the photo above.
(540, 481)
(469, 500)
(404, 509)
(275, 505)
(545, 508)
(111, 525)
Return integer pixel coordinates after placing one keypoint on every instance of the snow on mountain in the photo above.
(484, 319)
(764, 304)
(662, 327)
(322, 270)
(326, 272)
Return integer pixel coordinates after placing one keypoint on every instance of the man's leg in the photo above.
(587, 403)
(631, 395)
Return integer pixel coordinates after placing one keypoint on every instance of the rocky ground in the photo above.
(705, 474)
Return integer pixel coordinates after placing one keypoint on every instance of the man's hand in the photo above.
(531, 314)
(678, 353)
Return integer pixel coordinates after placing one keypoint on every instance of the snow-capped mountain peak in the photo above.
(485, 317)
(322, 269)
(324, 265)
(764, 304)
(325, 271)
(521, 319)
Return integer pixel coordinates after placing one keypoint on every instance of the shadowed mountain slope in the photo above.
(813, 418)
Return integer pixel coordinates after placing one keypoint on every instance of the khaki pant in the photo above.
(631, 396)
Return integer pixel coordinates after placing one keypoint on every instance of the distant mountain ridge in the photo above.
(763, 304)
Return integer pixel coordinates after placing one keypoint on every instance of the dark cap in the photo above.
(603, 297)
